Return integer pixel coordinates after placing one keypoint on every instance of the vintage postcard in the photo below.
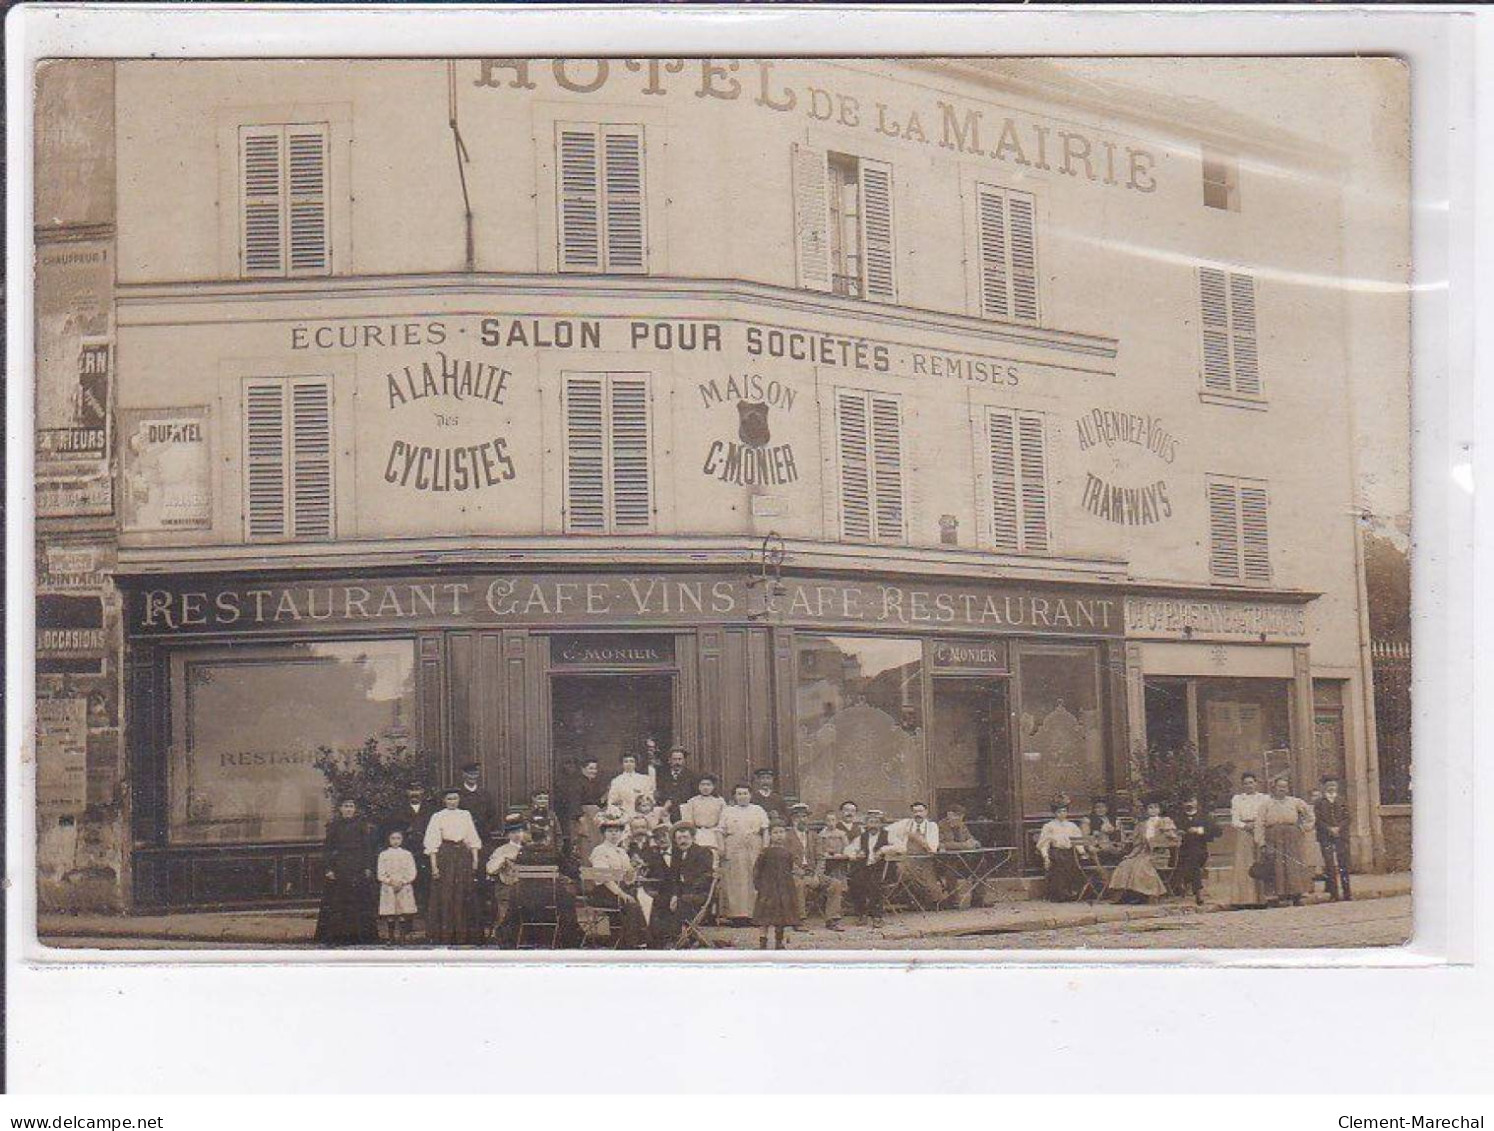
(710, 505)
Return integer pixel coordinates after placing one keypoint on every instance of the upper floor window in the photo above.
(1020, 521)
(1006, 239)
(1221, 181)
(288, 458)
(1231, 364)
(284, 219)
(844, 224)
(608, 446)
(1239, 546)
(869, 443)
(600, 198)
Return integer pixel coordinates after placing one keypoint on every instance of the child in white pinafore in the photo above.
(396, 875)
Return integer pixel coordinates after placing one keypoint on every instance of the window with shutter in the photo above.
(288, 466)
(285, 220)
(843, 225)
(1006, 248)
(869, 438)
(1231, 364)
(1239, 545)
(601, 208)
(1017, 449)
(608, 472)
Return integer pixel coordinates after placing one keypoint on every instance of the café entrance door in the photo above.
(603, 716)
(972, 755)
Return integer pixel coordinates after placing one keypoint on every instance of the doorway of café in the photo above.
(603, 716)
(972, 756)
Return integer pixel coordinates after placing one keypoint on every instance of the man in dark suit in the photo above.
(1196, 828)
(764, 793)
(1331, 813)
(867, 868)
(476, 800)
(675, 783)
(410, 818)
(683, 871)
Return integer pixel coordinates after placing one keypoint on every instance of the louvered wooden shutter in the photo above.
(852, 434)
(1255, 547)
(265, 459)
(1214, 316)
(585, 460)
(1001, 430)
(876, 231)
(811, 218)
(632, 497)
(1224, 527)
(1019, 482)
(288, 458)
(608, 472)
(1006, 244)
(887, 467)
(623, 209)
(306, 201)
(1247, 376)
(1023, 217)
(311, 459)
(995, 277)
(262, 177)
(579, 166)
(1033, 463)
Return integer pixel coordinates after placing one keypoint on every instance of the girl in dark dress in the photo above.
(350, 899)
(777, 903)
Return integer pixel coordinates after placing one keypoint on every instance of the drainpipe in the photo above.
(460, 151)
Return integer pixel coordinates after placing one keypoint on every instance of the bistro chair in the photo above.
(597, 909)
(538, 907)
(690, 936)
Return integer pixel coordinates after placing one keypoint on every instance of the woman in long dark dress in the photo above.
(350, 899)
(452, 844)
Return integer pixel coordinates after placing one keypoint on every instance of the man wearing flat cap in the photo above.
(766, 796)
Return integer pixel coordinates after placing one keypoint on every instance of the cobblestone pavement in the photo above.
(1369, 922)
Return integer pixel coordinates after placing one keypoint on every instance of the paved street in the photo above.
(1370, 922)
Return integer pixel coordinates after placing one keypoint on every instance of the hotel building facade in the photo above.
(946, 431)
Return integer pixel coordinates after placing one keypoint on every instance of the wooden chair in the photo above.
(597, 907)
(690, 934)
(539, 918)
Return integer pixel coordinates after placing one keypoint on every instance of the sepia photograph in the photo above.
(715, 506)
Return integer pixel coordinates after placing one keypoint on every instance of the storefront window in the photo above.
(1061, 732)
(1245, 724)
(248, 724)
(859, 711)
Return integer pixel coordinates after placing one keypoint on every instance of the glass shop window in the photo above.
(1060, 728)
(247, 725)
(859, 723)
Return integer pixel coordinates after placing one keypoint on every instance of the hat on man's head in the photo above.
(471, 768)
(798, 807)
(762, 771)
(514, 825)
(684, 826)
(877, 813)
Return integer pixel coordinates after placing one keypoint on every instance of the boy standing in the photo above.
(1331, 812)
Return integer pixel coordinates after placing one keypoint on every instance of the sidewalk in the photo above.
(279, 928)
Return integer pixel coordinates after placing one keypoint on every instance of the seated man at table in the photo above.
(866, 870)
(955, 836)
(917, 838)
(682, 870)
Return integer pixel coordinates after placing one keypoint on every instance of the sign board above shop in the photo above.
(169, 607)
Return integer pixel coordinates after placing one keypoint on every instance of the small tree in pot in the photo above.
(1177, 774)
(376, 773)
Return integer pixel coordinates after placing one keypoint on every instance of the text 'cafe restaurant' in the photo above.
(885, 691)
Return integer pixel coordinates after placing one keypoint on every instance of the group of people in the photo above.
(1282, 844)
(651, 843)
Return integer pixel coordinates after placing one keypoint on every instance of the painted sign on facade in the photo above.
(1177, 618)
(166, 470)
(1130, 453)
(61, 754)
(566, 599)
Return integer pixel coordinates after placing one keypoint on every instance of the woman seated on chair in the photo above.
(611, 856)
(1056, 845)
(1136, 877)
